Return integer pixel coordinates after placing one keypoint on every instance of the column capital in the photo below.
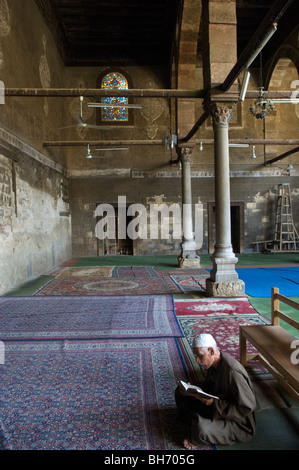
(220, 113)
(185, 153)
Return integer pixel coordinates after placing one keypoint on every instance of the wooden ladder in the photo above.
(285, 230)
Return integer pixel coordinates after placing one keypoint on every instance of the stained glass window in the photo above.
(115, 81)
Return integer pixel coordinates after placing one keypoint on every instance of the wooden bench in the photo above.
(266, 245)
(277, 349)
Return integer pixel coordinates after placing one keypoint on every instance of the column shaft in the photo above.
(224, 279)
(223, 245)
(188, 256)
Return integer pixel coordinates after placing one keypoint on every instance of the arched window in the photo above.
(116, 111)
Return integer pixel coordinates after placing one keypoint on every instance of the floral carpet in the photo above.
(96, 317)
(79, 272)
(105, 271)
(110, 286)
(191, 282)
(225, 330)
(68, 384)
(89, 395)
(134, 271)
(215, 306)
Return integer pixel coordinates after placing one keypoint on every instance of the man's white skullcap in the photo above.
(204, 340)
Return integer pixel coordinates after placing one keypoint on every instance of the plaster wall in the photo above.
(257, 194)
(35, 227)
(42, 224)
(35, 230)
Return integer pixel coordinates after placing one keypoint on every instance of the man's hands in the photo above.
(205, 401)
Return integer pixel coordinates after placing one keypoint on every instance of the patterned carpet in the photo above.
(93, 358)
(96, 317)
(226, 333)
(106, 272)
(134, 271)
(214, 306)
(191, 282)
(97, 272)
(109, 286)
(90, 395)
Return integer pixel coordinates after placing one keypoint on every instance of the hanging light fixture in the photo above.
(88, 152)
(244, 85)
(110, 105)
(170, 141)
(262, 106)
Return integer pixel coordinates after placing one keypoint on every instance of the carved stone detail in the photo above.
(4, 19)
(221, 113)
(151, 111)
(185, 154)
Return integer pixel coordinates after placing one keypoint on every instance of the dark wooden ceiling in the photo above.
(112, 32)
(251, 13)
(136, 32)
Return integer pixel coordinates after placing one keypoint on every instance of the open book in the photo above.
(195, 390)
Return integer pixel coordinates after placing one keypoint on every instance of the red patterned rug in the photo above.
(210, 307)
(134, 271)
(110, 286)
(188, 283)
(225, 330)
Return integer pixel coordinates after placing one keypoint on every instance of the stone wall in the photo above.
(85, 195)
(38, 227)
(35, 226)
(257, 196)
(34, 221)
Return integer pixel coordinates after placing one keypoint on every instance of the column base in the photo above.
(185, 262)
(188, 257)
(224, 279)
(224, 268)
(220, 289)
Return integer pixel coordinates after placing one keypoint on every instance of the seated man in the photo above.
(223, 421)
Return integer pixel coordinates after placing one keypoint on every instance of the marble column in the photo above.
(188, 257)
(224, 279)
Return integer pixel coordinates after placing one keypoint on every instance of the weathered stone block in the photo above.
(214, 289)
(222, 12)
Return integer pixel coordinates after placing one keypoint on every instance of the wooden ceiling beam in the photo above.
(275, 13)
(10, 153)
(281, 157)
(103, 143)
(88, 8)
(115, 143)
(95, 92)
(132, 92)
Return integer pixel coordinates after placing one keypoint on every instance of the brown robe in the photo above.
(228, 420)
